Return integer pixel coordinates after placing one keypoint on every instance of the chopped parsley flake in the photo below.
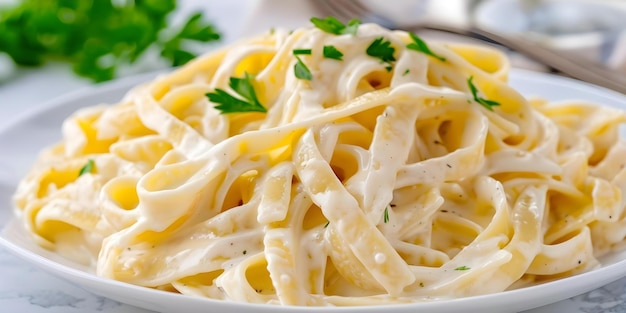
(334, 26)
(301, 51)
(227, 103)
(87, 168)
(462, 268)
(330, 52)
(420, 45)
(489, 104)
(386, 215)
(302, 71)
(406, 72)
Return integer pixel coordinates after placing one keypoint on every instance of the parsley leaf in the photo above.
(330, 52)
(489, 104)
(382, 49)
(302, 71)
(243, 86)
(301, 51)
(199, 30)
(330, 24)
(420, 45)
(87, 168)
(334, 26)
(352, 27)
(230, 104)
(194, 29)
(462, 268)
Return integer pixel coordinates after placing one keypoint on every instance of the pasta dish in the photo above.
(333, 165)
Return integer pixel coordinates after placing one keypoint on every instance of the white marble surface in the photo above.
(24, 288)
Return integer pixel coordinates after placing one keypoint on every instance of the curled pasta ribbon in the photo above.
(379, 180)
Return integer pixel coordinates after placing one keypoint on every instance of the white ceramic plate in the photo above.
(22, 138)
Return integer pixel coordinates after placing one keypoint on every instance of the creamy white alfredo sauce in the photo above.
(384, 169)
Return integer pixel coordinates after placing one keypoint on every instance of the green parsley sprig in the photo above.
(420, 45)
(195, 29)
(96, 37)
(488, 104)
(227, 103)
(334, 26)
(382, 49)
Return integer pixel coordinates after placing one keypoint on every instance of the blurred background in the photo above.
(51, 47)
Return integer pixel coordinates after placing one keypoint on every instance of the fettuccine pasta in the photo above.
(316, 167)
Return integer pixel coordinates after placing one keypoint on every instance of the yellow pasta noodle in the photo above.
(363, 169)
